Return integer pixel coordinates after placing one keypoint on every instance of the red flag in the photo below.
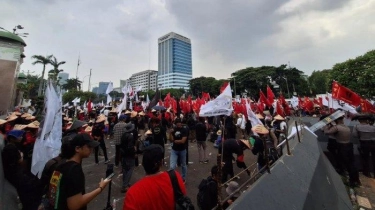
(345, 94)
(279, 109)
(89, 106)
(225, 84)
(270, 95)
(205, 96)
(367, 106)
(263, 99)
(260, 106)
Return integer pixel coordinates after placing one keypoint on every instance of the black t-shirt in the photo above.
(231, 146)
(97, 130)
(160, 135)
(178, 134)
(66, 181)
(200, 131)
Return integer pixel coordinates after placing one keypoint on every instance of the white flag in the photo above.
(294, 102)
(109, 99)
(48, 143)
(221, 105)
(109, 88)
(251, 116)
(147, 100)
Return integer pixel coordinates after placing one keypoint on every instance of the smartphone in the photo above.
(110, 176)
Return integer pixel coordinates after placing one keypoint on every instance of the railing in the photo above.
(256, 174)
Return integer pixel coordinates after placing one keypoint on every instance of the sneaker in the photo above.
(107, 161)
(206, 161)
(201, 162)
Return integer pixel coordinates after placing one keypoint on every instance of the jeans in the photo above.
(202, 149)
(128, 164)
(173, 161)
(101, 145)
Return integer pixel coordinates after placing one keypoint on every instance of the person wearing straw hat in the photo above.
(230, 147)
(280, 127)
(257, 146)
(98, 135)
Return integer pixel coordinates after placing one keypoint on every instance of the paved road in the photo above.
(196, 172)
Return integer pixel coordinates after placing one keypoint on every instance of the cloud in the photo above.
(118, 38)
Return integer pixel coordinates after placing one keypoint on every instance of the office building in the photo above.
(147, 79)
(122, 83)
(95, 90)
(63, 77)
(174, 61)
(102, 87)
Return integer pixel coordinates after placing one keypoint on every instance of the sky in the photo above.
(117, 38)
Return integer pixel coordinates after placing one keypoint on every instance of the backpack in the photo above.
(182, 202)
(204, 196)
(127, 145)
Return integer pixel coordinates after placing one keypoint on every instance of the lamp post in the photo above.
(83, 80)
(287, 86)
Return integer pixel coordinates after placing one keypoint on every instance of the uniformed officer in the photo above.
(345, 156)
(365, 133)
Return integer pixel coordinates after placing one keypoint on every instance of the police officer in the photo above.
(345, 154)
(365, 133)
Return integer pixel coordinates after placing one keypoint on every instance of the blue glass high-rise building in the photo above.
(174, 64)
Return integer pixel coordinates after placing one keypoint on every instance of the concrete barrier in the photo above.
(304, 180)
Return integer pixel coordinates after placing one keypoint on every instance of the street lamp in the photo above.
(287, 86)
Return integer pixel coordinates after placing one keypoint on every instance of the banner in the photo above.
(222, 105)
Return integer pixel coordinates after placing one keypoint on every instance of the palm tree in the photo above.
(72, 84)
(56, 66)
(40, 59)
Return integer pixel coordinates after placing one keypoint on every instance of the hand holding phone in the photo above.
(109, 177)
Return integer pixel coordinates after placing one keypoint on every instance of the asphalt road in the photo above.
(195, 173)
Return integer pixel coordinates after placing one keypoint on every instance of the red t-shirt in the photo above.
(153, 192)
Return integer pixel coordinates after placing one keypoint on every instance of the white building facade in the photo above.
(174, 61)
(147, 79)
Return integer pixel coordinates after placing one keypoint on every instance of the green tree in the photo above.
(56, 65)
(358, 74)
(319, 81)
(44, 61)
(205, 84)
(30, 88)
(72, 84)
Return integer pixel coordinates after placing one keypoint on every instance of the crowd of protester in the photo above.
(136, 132)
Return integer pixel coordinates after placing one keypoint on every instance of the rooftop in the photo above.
(12, 36)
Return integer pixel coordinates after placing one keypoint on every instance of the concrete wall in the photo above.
(10, 61)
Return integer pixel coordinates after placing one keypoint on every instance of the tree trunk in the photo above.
(41, 84)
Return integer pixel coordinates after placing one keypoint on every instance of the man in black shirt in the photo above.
(98, 135)
(178, 139)
(201, 131)
(233, 146)
(67, 184)
(159, 133)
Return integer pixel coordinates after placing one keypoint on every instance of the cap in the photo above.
(122, 117)
(77, 124)
(16, 133)
(232, 186)
(129, 127)
(83, 139)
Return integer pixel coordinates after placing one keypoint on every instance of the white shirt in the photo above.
(283, 127)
